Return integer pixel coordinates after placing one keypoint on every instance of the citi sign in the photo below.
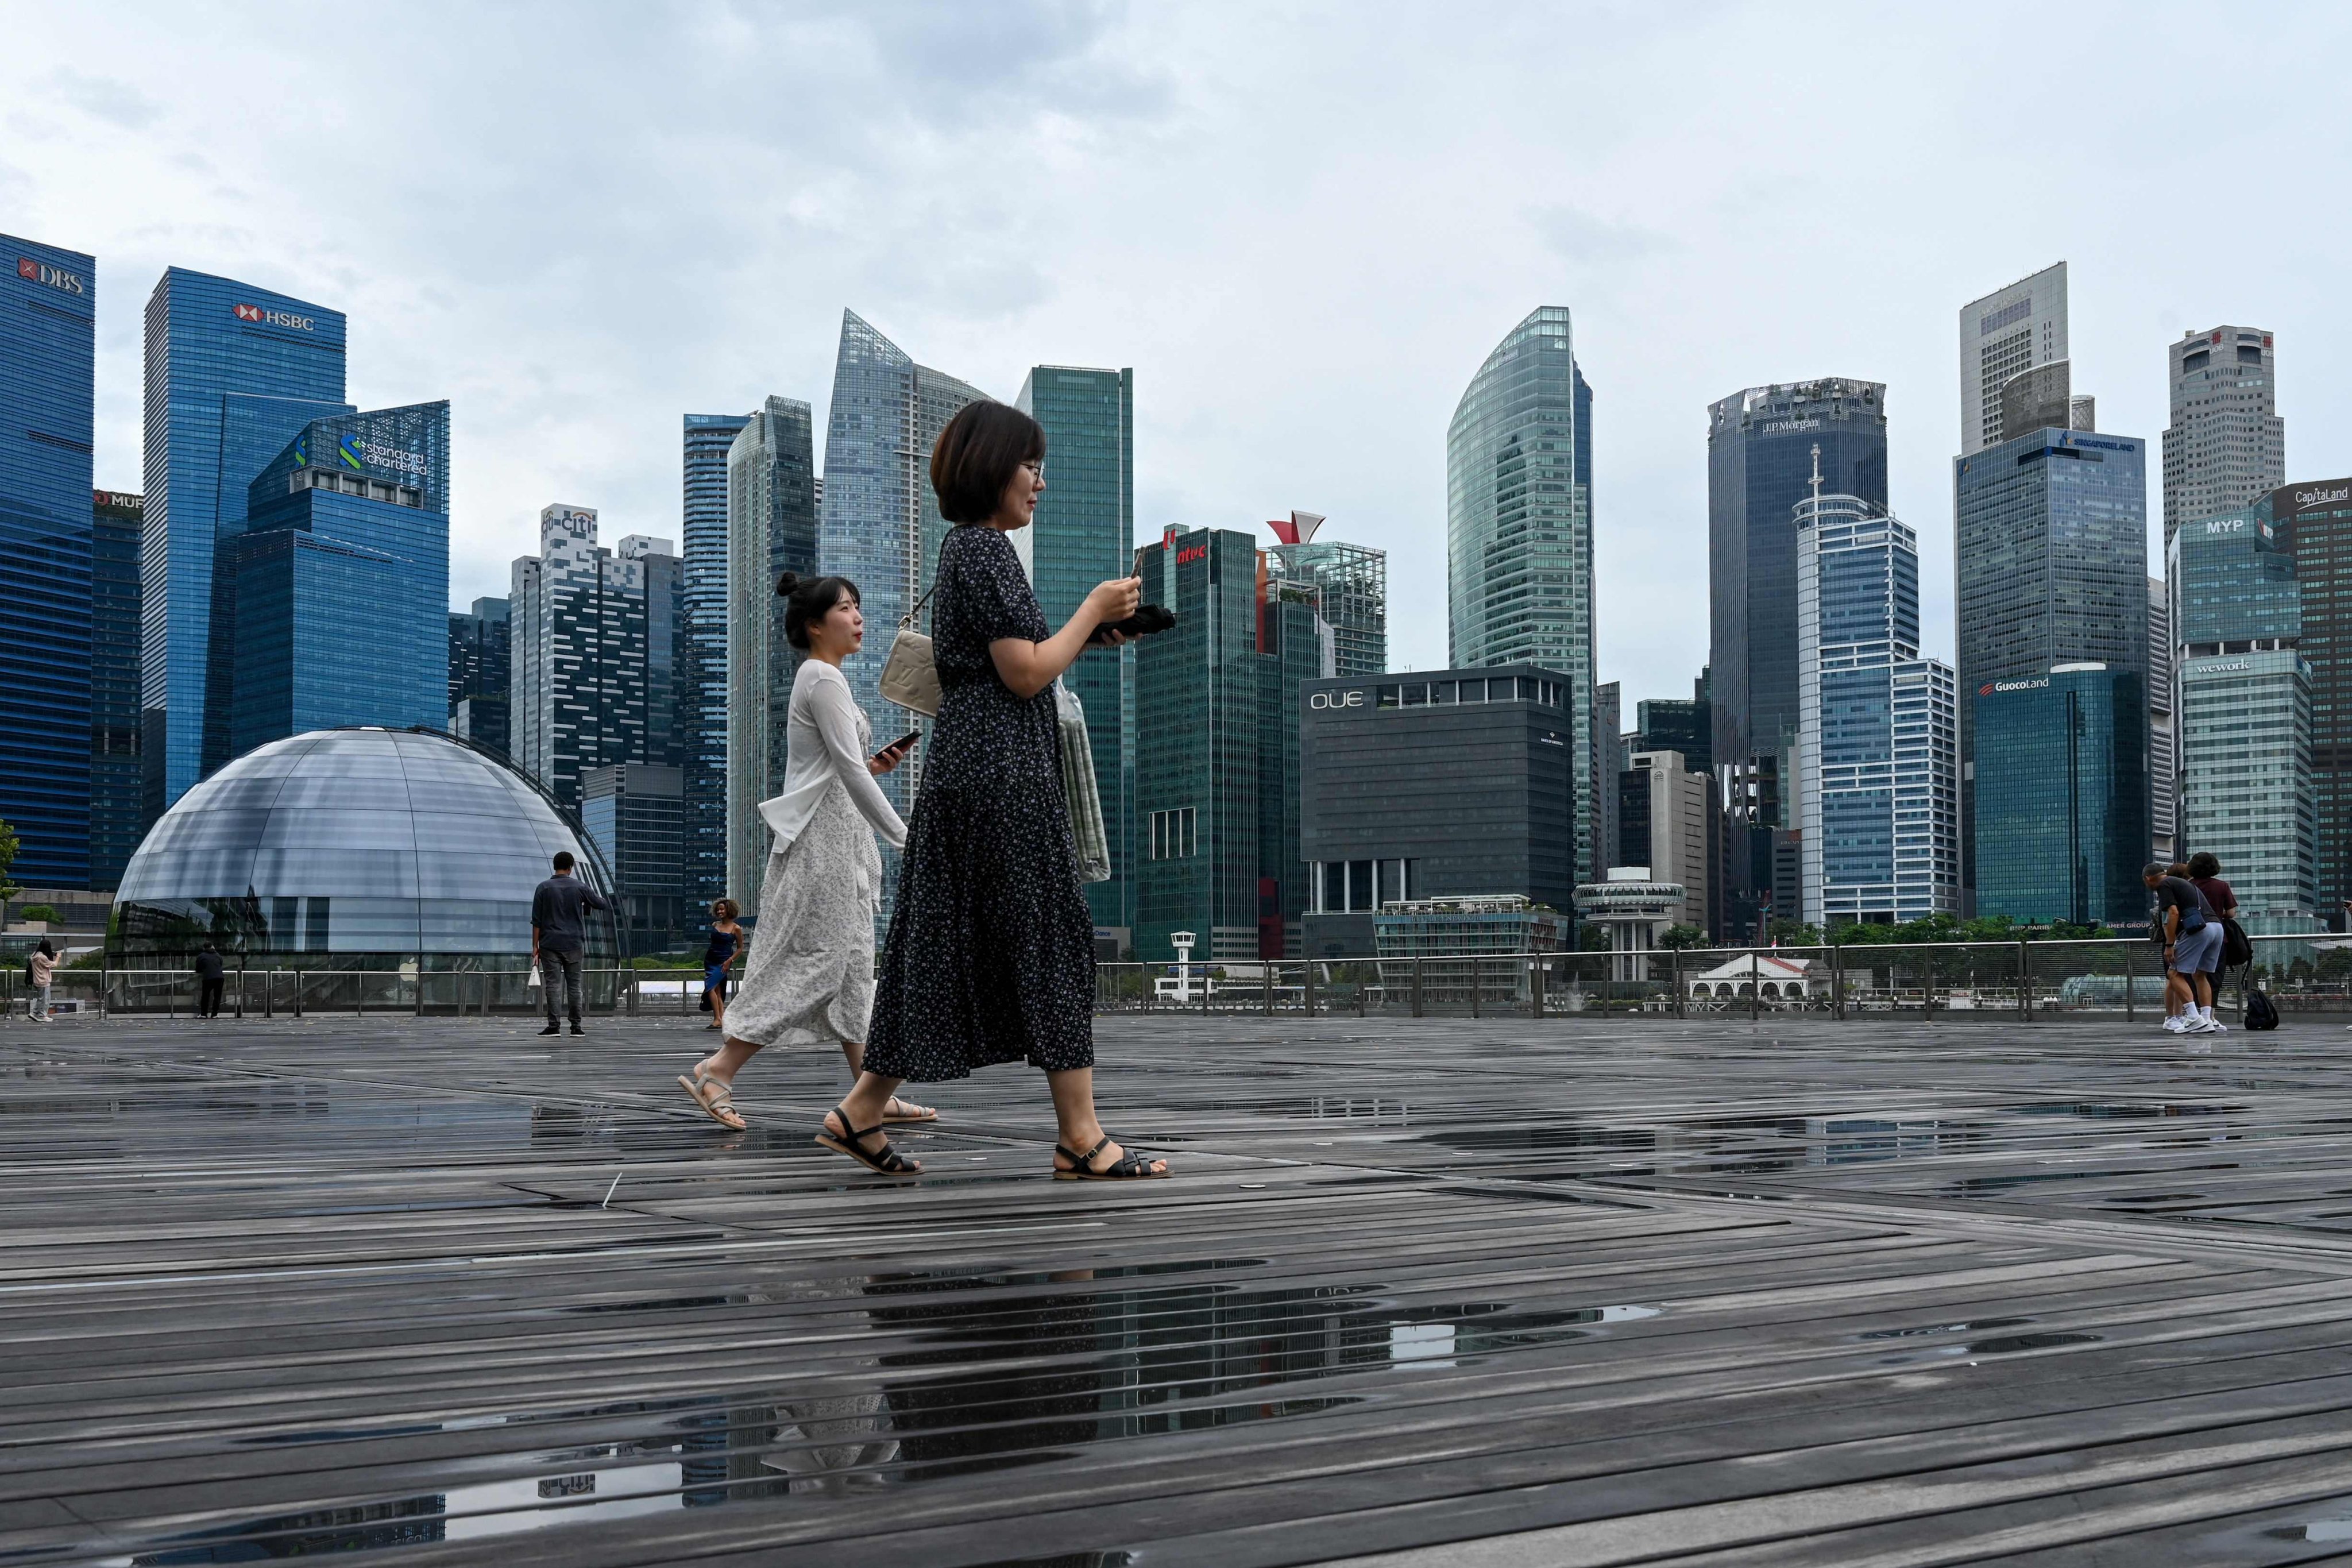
(1334, 699)
(34, 271)
(270, 318)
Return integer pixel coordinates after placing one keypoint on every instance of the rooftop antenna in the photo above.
(1817, 476)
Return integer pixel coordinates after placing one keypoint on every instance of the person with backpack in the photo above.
(2191, 935)
(2205, 870)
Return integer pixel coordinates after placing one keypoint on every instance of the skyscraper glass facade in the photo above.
(1351, 589)
(1760, 446)
(1876, 750)
(580, 666)
(2051, 565)
(114, 817)
(2316, 520)
(48, 316)
(1085, 533)
(772, 529)
(481, 675)
(2007, 332)
(2245, 715)
(704, 519)
(881, 526)
(2062, 818)
(1518, 534)
(332, 585)
(1217, 814)
(233, 373)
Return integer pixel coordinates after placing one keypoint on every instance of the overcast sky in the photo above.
(1303, 227)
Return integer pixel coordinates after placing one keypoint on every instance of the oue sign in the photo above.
(1334, 699)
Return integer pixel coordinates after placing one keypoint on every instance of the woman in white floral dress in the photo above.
(810, 979)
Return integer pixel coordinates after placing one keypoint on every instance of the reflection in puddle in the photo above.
(972, 1373)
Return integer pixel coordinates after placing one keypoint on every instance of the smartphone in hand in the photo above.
(898, 747)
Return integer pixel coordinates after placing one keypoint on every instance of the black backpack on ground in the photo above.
(2261, 1012)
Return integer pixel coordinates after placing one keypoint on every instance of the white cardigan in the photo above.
(822, 746)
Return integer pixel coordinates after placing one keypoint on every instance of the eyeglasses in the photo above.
(1036, 465)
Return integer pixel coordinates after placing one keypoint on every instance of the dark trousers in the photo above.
(559, 967)
(208, 997)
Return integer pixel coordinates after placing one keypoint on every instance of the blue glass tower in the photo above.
(2062, 821)
(47, 368)
(1085, 533)
(333, 581)
(707, 439)
(2050, 541)
(114, 793)
(234, 372)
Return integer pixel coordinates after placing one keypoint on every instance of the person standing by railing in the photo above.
(719, 959)
(991, 956)
(212, 981)
(41, 968)
(810, 979)
(2187, 926)
(559, 932)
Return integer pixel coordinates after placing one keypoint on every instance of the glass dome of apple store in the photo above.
(341, 846)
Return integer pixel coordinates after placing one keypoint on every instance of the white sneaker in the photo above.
(2176, 1023)
(2218, 1027)
(2204, 1026)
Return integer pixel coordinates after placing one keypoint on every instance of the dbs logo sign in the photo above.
(32, 272)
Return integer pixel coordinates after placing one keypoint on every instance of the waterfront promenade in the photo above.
(1458, 1292)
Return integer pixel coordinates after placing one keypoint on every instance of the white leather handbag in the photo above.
(910, 676)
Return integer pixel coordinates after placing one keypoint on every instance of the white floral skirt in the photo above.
(809, 979)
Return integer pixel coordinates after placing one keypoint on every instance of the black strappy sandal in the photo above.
(1129, 1166)
(885, 1162)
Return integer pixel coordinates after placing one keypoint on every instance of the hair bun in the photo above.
(788, 582)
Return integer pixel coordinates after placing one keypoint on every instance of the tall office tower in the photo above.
(707, 437)
(116, 520)
(668, 695)
(1216, 705)
(882, 527)
(2316, 518)
(772, 529)
(2246, 791)
(2163, 740)
(1519, 530)
(635, 813)
(1665, 818)
(2062, 824)
(1759, 462)
(481, 674)
(2008, 332)
(1610, 758)
(1877, 764)
(47, 422)
(331, 587)
(2044, 398)
(1084, 534)
(580, 668)
(1351, 584)
(1686, 727)
(2226, 446)
(2051, 548)
(234, 372)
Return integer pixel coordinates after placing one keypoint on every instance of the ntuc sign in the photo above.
(267, 317)
(1192, 552)
(33, 271)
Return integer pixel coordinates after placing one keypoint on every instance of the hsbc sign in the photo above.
(269, 318)
(35, 271)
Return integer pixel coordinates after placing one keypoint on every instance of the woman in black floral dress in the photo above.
(990, 951)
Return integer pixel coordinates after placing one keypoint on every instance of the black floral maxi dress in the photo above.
(990, 951)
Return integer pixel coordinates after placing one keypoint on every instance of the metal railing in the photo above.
(2120, 978)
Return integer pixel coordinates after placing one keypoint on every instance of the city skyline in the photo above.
(577, 346)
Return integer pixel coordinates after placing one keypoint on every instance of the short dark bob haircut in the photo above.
(2204, 863)
(976, 456)
(810, 599)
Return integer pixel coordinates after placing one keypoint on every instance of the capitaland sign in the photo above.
(2037, 684)
(2322, 497)
(267, 317)
(37, 271)
(1334, 699)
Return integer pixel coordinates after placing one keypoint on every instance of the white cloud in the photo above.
(1303, 227)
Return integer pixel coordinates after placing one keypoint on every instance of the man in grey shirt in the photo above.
(559, 927)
